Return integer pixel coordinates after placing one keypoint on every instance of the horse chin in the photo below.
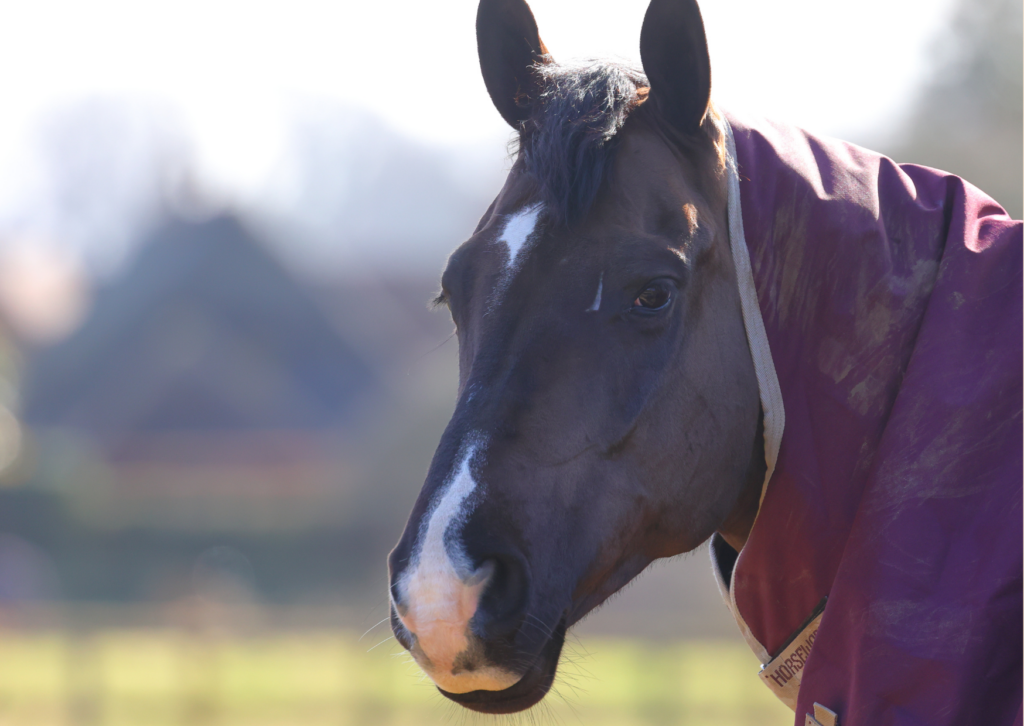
(527, 691)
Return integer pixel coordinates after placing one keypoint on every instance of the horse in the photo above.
(676, 326)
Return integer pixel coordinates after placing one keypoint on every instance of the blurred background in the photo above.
(220, 386)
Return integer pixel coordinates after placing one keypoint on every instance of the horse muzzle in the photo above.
(472, 634)
(433, 618)
(531, 687)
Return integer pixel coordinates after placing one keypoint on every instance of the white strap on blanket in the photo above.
(757, 338)
(764, 369)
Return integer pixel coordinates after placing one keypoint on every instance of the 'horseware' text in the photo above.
(783, 673)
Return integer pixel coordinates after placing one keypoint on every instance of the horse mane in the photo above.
(568, 143)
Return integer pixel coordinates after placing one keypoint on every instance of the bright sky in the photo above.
(233, 70)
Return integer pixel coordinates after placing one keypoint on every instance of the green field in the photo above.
(143, 677)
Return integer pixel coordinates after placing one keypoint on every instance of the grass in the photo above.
(169, 677)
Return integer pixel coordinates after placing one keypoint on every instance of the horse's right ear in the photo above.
(674, 53)
(509, 45)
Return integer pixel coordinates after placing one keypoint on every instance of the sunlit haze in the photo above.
(234, 72)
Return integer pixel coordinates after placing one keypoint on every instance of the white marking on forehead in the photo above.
(597, 298)
(517, 232)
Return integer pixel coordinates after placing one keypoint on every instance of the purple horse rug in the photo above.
(882, 579)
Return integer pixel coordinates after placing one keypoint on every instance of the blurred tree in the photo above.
(968, 119)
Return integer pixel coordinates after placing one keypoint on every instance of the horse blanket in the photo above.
(882, 579)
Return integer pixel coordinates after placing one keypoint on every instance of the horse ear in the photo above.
(674, 53)
(508, 45)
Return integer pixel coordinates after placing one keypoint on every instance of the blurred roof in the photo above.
(204, 331)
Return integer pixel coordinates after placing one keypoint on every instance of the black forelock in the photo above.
(568, 142)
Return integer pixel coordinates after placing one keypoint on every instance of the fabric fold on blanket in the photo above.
(890, 300)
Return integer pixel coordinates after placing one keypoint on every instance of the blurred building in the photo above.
(206, 375)
(208, 396)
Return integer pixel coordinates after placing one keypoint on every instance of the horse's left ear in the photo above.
(674, 53)
(509, 45)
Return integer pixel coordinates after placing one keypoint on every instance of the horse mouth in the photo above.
(527, 691)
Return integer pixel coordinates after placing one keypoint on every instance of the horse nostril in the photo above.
(402, 635)
(505, 597)
(396, 595)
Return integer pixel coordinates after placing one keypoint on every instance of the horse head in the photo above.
(608, 410)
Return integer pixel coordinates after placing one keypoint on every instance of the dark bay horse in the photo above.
(676, 325)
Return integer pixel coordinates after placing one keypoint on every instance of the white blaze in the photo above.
(441, 590)
(517, 232)
(597, 298)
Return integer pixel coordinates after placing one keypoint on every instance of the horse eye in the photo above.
(655, 296)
